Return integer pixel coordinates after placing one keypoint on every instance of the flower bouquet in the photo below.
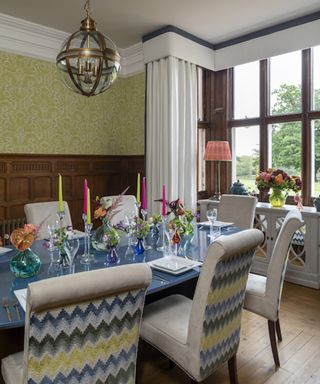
(280, 183)
(140, 230)
(183, 218)
(25, 263)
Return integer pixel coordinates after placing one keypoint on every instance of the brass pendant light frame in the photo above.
(107, 60)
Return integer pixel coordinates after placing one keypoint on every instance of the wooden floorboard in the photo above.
(299, 351)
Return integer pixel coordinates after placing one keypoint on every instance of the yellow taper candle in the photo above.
(88, 208)
(138, 188)
(60, 194)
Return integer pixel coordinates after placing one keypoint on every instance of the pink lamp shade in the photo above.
(218, 150)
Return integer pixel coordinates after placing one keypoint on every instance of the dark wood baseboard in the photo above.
(33, 178)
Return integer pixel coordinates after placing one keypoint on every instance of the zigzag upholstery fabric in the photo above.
(222, 319)
(92, 342)
(84, 328)
(201, 334)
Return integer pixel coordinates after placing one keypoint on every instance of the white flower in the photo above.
(106, 202)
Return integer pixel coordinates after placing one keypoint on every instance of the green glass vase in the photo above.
(25, 264)
(278, 197)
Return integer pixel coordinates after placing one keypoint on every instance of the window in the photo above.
(286, 132)
(316, 79)
(246, 90)
(246, 155)
(285, 84)
(201, 162)
(202, 131)
(315, 182)
(285, 147)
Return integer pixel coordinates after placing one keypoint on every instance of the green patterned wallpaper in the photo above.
(39, 115)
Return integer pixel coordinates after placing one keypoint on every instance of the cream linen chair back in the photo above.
(263, 293)
(215, 320)
(127, 204)
(237, 209)
(83, 328)
(41, 213)
(278, 262)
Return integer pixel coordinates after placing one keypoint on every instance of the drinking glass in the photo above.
(52, 226)
(212, 216)
(71, 247)
(130, 215)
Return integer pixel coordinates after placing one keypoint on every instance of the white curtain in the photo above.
(171, 129)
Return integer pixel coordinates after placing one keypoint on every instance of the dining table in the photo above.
(192, 247)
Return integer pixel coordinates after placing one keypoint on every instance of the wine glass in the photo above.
(130, 215)
(52, 225)
(71, 247)
(212, 216)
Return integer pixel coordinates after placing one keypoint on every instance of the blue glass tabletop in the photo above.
(193, 247)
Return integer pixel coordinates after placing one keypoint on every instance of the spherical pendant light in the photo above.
(88, 62)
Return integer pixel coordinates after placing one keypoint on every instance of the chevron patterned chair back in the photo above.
(202, 334)
(82, 328)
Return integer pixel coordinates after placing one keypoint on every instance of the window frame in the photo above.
(203, 125)
(306, 116)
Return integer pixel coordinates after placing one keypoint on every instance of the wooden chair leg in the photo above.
(278, 330)
(232, 366)
(273, 341)
(139, 364)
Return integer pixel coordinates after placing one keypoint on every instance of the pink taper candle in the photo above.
(144, 194)
(85, 196)
(164, 210)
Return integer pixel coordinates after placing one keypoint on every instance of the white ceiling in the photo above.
(126, 21)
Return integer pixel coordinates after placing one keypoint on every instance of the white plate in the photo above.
(78, 234)
(174, 264)
(217, 224)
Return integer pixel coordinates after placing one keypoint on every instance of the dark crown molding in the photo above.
(249, 36)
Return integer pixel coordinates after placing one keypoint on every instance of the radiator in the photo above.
(7, 226)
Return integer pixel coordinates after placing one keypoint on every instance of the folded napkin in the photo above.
(21, 295)
(4, 250)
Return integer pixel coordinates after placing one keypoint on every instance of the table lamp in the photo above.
(217, 151)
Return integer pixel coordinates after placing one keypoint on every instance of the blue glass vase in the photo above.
(25, 264)
(112, 255)
(139, 248)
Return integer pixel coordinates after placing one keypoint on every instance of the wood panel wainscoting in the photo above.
(33, 178)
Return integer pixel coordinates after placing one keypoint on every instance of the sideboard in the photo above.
(304, 253)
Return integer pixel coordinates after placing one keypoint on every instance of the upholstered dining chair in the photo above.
(82, 328)
(263, 293)
(128, 204)
(200, 335)
(237, 209)
(41, 213)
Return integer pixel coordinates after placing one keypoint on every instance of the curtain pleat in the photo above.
(171, 131)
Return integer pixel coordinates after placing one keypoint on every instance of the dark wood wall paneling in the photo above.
(217, 115)
(33, 178)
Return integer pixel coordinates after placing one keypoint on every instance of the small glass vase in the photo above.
(278, 197)
(25, 264)
(139, 248)
(97, 239)
(112, 255)
(154, 236)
